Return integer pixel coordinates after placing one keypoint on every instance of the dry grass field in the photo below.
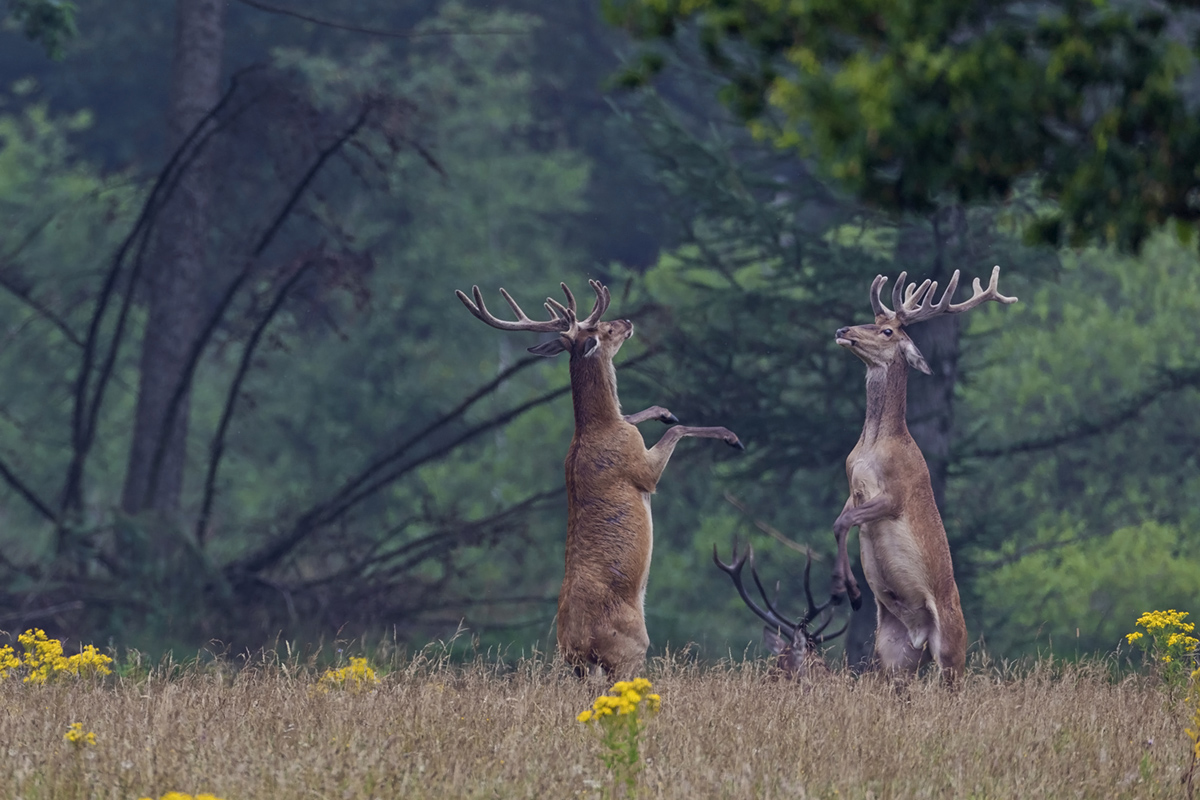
(433, 729)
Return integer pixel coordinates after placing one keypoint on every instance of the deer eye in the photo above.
(887, 331)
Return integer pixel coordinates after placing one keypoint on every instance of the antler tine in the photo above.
(980, 295)
(522, 323)
(877, 306)
(813, 608)
(915, 293)
(734, 571)
(926, 305)
(898, 292)
(557, 311)
(603, 298)
(770, 606)
(928, 309)
(819, 638)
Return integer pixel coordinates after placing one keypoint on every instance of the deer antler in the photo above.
(771, 614)
(558, 322)
(917, 303)
(562, 318)
(603, 298)
(734, 571)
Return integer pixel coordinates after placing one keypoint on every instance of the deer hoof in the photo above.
(736, 443)
(668, 418)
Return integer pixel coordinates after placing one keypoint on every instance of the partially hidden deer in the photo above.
(797, 650)
(611, 475)
(905, 555)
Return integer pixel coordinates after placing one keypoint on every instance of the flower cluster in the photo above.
(355, 677)
(77, 736)
(620, 716)
(623, 698)
(43, 659)
(182, 796)
(1167, 639)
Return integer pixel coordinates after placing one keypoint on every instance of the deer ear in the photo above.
(773, 641)
(590, 345)
(551, 348)
(914, 358)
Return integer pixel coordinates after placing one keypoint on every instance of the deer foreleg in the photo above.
(653, 412)
(844, 583)
(658, 456)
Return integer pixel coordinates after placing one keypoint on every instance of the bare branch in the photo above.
(87, 409)
(218, 314)
(23, 294)
(1132, 408)
(765, 527)
(217, 447)
(287, 12)
(343, 502)
(28, 494)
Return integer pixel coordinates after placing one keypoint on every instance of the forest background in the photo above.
(240, 403)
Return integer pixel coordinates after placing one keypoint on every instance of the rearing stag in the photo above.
(610, 477)
(905, 555)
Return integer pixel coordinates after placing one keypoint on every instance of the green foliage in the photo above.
(1079, 441)
(50, 23)
(909, 104)
(1075, 597)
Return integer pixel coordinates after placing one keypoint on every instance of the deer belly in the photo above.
(896, 571)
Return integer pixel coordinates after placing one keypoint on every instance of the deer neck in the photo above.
(594, 391)
(887, 401)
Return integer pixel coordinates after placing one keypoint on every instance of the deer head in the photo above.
(885, 341)
(582, 338)
(793, 644)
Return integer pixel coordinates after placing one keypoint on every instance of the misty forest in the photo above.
(240, 403)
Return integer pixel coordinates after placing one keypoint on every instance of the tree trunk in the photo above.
(175, 281)
(923, 252)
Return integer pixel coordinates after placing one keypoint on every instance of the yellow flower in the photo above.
(77, 736)
(1133, 637)
(584, 716)
(654, 703)
(8, 660)
(358, 675)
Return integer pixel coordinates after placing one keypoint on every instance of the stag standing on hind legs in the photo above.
(905, 555)
(610, 477)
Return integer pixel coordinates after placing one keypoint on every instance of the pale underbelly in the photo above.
(896, 572)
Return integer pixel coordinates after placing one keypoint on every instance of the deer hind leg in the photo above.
(898, 655)
(949, 646)
(622, 644)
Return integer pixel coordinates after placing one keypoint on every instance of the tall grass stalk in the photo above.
(430, 728)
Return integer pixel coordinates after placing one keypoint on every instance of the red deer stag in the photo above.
(610, 477)
(905, 555)
(795, 647)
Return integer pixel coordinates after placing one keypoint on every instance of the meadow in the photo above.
(425, 726)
